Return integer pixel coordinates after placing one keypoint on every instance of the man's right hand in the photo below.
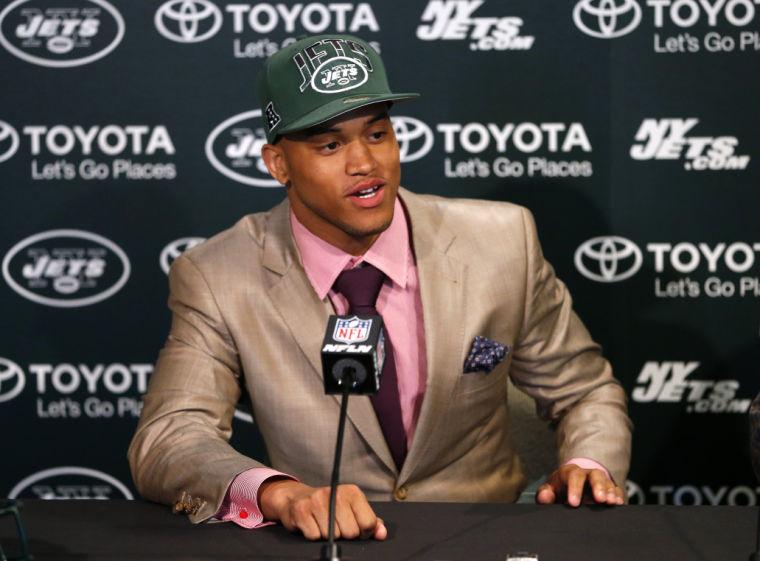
(304, 509)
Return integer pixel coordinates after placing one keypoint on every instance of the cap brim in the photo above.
(339, 107)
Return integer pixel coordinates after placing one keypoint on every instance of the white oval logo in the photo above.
(8, 141)
(608, 258)
(44, 33)
(175, 249)
(634, 493)
(12, 379)
(415, 139)
(234, 149)
(243, 416)
(339, 74)
(607, 19)
(70, 482)
(66, 268)
(189, 21)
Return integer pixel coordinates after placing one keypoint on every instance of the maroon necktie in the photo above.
(361, 286)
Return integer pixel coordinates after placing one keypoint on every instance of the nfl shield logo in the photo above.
(352, 330)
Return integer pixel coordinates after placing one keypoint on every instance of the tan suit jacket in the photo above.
(245, 313)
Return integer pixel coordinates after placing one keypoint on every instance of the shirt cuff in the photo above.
(240, 504)
(588, 463)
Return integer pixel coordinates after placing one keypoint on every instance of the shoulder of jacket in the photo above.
(461, 213)
(246, 235)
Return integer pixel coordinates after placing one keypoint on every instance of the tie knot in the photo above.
(360, 286)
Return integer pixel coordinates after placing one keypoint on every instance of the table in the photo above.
(132, 530)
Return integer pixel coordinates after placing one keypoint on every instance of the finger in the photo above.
(365, 517)
(602, 487)
(619, 496)
(319, 513)
(308, 526)
(381, 532)
(346, 520)
(576, 478)
(545, 494)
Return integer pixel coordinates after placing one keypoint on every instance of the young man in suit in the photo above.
(465, 294)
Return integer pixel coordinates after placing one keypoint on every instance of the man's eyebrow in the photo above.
(378, 117)
(316, 130)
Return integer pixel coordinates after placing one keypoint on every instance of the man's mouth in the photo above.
(367, 189)
(366, 193)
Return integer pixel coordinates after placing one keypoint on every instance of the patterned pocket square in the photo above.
(484, 355)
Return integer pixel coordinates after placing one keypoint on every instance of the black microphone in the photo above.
(754, 451)
(354, 346)
(353, 353)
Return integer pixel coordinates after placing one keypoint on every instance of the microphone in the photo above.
(754, 451)
(353, 354)
(353, 349)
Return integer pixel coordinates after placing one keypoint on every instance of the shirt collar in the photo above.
(323, 262)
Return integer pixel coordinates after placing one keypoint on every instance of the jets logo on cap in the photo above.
(272, 117)
(333, 65)
(338, 75)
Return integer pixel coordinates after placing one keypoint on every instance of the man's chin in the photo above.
(360, 232)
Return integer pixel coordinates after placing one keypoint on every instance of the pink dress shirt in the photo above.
(401, 307)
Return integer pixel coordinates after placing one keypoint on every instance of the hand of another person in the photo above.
(301, 508)
(567, 483)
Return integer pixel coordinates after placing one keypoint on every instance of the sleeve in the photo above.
(180, 453)
(556, 362)
(241, 503)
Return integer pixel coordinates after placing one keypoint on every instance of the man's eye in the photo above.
(331, 146)
(378, 135)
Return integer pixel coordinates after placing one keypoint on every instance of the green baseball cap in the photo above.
(318, 78)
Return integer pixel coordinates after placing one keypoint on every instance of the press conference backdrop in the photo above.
(130, 131)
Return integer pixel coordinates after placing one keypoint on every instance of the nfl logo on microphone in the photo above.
(352, 330)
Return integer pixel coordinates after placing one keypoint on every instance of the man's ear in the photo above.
(274, 159)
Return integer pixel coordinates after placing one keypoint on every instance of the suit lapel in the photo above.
(441, 279)
(306, 316)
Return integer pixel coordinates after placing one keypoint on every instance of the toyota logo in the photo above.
(175, 249)
(8, 141)
(608, 259)
(12, 380)
(415, 139)
(190, 21)
(607, 19)
(634, 493)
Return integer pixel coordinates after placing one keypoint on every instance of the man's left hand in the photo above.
(569, 481)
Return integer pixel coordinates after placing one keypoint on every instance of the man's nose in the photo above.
(359, 159)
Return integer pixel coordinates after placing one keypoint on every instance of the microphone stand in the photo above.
(330, 551)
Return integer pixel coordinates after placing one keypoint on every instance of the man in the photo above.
(465, 294)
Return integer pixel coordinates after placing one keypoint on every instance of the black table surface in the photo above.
(131, 530)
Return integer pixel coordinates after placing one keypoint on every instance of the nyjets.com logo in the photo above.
(70, 482)
(670, 382)
(66, 268)
(234, 149)
(453, 20)
(674, 139)
(59, 33)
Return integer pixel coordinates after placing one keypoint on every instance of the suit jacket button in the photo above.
(401, 493)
